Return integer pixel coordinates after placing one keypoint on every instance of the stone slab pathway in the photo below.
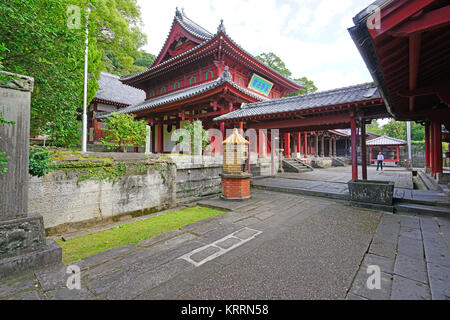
(273, 246)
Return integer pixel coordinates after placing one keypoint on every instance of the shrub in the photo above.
(40, 162)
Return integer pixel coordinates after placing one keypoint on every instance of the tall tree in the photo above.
(46, 40)
(397, 129)
(309, 87)
(275, 62)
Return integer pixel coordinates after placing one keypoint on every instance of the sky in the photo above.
(310, 36)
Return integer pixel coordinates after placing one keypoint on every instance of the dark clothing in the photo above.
(380, 163)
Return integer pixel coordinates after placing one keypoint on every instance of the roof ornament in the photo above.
(221, 27)
(226, 75)
(178, 13)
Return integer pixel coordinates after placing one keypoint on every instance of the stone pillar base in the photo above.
(23, 246)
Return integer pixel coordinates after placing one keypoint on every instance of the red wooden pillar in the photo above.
(427, 145)
(287, 145)
(306, 144)
(363, 151)
(160, 137)
(354, 149)
(241, 128)
(298, 145)
(153, 138)
(432, 147)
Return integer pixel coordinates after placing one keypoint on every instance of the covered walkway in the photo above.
(303, 120)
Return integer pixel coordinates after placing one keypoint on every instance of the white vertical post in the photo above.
(147, 141)
(84, 125)
(408, 133)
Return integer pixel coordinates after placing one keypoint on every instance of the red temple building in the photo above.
(111, 96)
(198, 76)
(408, 55)
(389, 147)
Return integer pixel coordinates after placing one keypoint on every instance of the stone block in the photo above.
(371, 191)
(48, 255)
(20, 236)
(407, 289)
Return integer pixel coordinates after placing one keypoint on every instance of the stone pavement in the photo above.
(332, 183)
(273, 246)
(400, 176)
(414, 259)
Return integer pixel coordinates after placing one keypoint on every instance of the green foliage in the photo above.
(397, 129)
(124, 131)
(310, 87)
(41, 45)
(198, 136)
(107, 170)
(374, 127)
(3, 158)
(36, 41)
(115, 66)
(275, 62)
(146, 60)
(40, 162)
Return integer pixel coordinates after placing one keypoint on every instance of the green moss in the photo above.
(108, 170)
(134, 232)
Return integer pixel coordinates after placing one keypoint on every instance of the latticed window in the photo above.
(162, 90)
(193, 80)
(176, 85)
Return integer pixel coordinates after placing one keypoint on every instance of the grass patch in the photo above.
(133, 232)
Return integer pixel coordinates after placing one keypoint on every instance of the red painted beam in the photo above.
(322, 120)
(403, 10)
(429, 21)
(414, 59)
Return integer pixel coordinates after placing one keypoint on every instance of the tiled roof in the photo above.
(201, 33)
(385, 141)
(361, 92)
(191, 27)
(111, 89)
(184, 94)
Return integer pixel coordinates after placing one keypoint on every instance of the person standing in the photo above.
(380, 160)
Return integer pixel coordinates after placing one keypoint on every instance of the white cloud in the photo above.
(310, 36)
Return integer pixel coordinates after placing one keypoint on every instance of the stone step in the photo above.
(428, 182)
(422, 209)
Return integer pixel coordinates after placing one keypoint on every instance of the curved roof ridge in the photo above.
(314, 94)
(200, 31)
(183, 94)
(251, 55)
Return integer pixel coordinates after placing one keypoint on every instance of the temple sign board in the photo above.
(261, 85)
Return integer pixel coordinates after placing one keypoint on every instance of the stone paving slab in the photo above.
(309, 248)
(419, 254)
